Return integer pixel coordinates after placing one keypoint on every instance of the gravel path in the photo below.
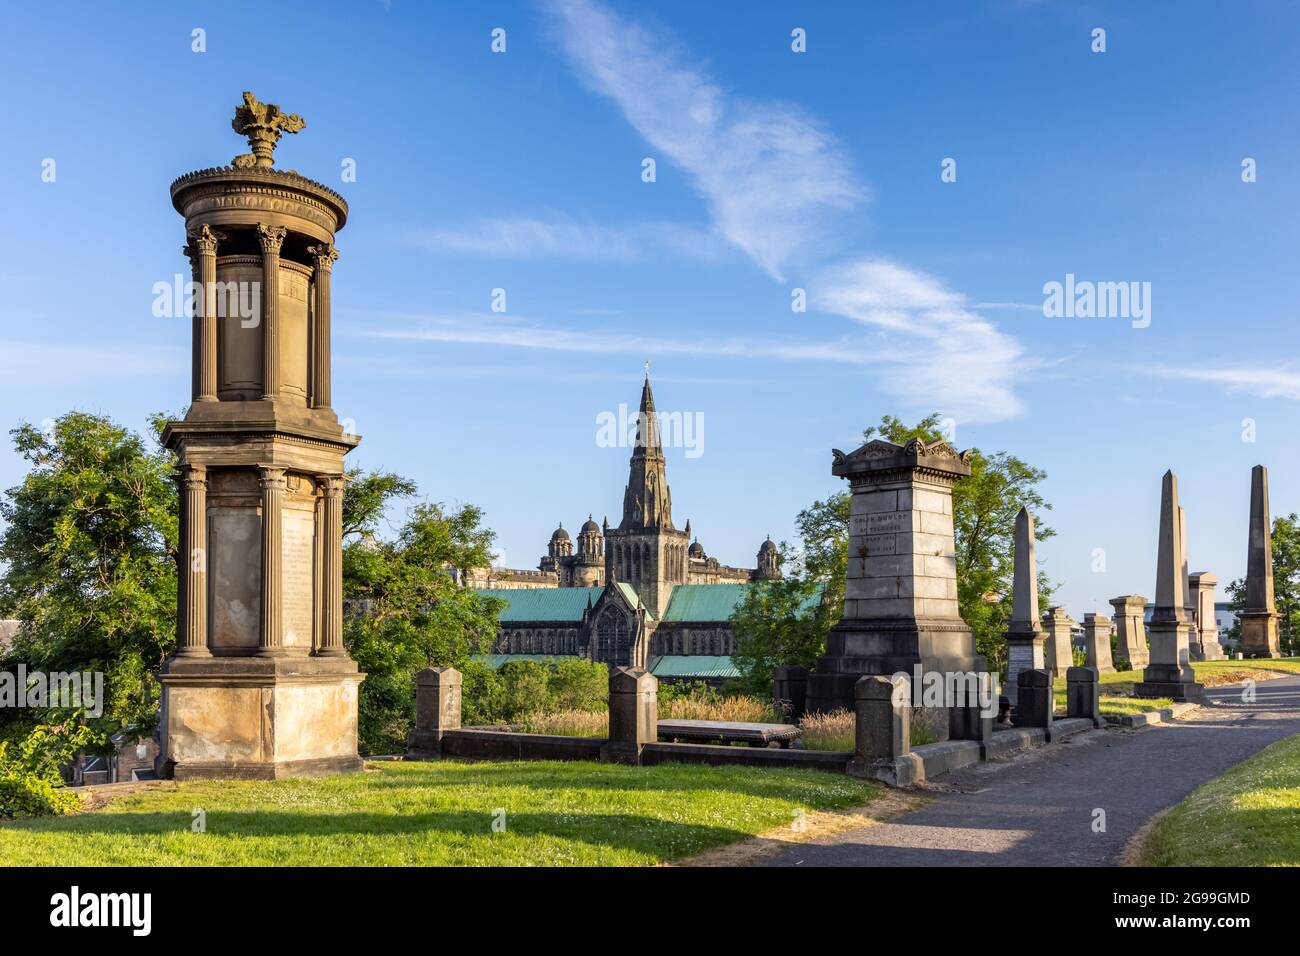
(1038, 809)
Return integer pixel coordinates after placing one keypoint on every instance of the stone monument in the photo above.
(1096, 643)
(1259, 632)
(1024, 631)
(260, 685)
(900, 600)
(1170, 674)
(1059, 649)
(1130, 630)
(1206, 646)
(1192, 639)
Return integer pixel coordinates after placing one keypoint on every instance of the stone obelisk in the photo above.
(260, 685)
(1259, 630)
(1193, 640)
(1024, 633)
(1170, 674)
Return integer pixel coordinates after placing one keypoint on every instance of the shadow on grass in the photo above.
(619, 831)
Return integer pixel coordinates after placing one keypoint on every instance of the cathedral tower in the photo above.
(645, 550)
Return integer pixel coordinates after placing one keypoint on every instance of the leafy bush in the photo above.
(30, 784)
(27, 795)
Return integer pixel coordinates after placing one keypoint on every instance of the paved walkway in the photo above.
(1038, 809)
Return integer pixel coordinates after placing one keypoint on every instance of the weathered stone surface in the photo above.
(790, 690)
(1259, 623)
(900, 604)
(1169, 673)
(1024, 636)
(1096, 642)
(1130, 626)
(1205, 645)
(1035, 704)
(633, 714)
(437, 708)
(1083, 694)
(1058, 650)
(260, 685)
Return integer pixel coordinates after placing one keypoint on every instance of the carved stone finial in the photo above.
(262, 123)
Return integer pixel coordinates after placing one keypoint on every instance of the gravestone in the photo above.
(437, 708)
(260, 685)
(1206, 646)
(633, 714)
(900, 603)
(1024, 635)
(1259, 628)
(1096, 643)
(1170, 674)
(1130, 629)
(1036, 701)
(1059, 649)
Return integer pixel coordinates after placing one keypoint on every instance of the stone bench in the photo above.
(729, 732)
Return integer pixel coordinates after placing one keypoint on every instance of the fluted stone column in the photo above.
(271, 238)
(194, 563)
(202, 250)
(331, 636)
(323, 257)
(271, 637)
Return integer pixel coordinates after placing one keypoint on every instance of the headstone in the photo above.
(1096, 643)
(633, 714)
(437, 708)
(1024, 634)
(790, 690)
(1259, 626)
(1130, 630)
(1083, 694)
(1206, 645)
(260, 684)
(1170, 674)
(882, 730)
(900, 606)
(1059, 649)
(1035, 701)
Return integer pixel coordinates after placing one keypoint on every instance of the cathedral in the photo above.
(641, 594)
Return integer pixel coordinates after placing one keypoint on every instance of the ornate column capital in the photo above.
(193, 478)
(203, 241)
(332, 485)
(271, 237)
(270, 478)
(324, 256)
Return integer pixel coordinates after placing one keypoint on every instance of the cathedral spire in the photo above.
(647, 502)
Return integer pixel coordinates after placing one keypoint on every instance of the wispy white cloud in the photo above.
(772, 177)
(561, 237)
(776, 184)
(1276, 382)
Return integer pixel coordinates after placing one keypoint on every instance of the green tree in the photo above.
(89, 553)
(1286, 585)
(407, 612)
(777, 623)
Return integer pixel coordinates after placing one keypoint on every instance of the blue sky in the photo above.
(775, 170)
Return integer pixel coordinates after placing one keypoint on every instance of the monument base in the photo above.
(258, 718)
(859, 648)
(1259, 634)
(1178, 691)
(1210, 650)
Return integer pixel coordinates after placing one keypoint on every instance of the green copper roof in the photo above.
(543, 604)
(494, 661)
(694, 665)
(704, 602)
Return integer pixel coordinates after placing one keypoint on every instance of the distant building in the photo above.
(640, 594)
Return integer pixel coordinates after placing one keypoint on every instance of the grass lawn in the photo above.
(1250, 816)
(439, 814)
